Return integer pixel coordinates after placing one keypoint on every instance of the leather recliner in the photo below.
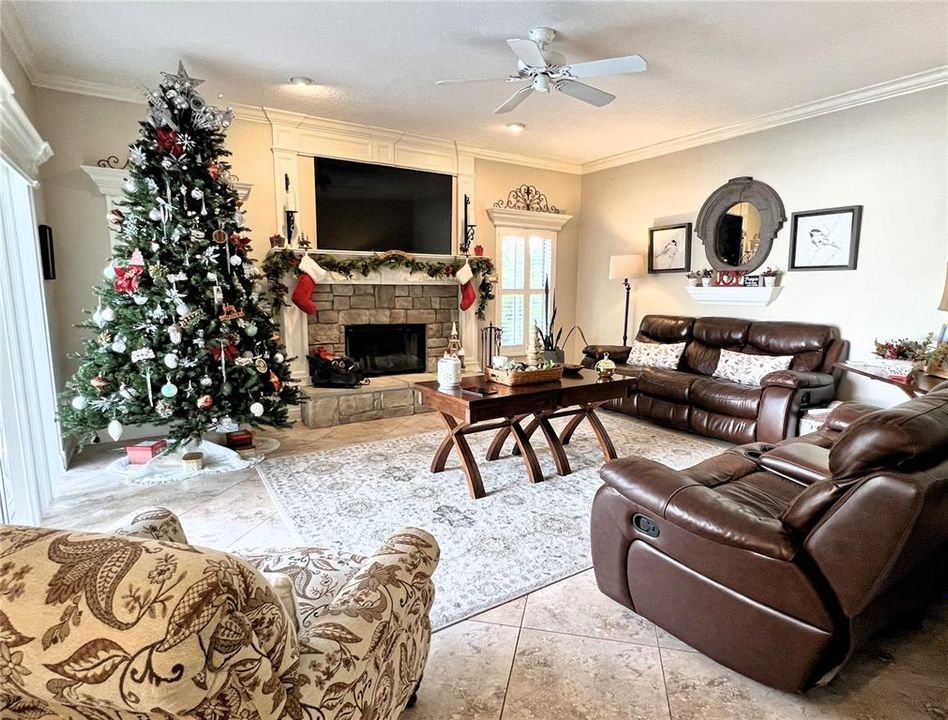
(690, 398)
(775, 559)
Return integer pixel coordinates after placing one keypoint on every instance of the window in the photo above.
(526, 265)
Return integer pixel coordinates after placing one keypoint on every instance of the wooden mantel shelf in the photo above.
(734, 295)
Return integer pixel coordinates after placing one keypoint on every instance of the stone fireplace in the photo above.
(343, 305)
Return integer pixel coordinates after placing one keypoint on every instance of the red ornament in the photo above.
(115, 217)
(168, 142)
(219, 236)
(99, 383)
(275, 381)
(126, 279)
(205, 401)
(241, 243)
(229, 349)
(213, 171)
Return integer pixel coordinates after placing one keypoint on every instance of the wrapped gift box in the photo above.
(239, 439)
(141, 453)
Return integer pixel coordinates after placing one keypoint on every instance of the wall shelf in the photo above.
(734, 295)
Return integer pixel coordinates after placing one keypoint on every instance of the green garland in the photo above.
(282, 261)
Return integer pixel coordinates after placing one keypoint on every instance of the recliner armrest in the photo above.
(617, 353)
(796, 379)
(644, 482)
(846, 414)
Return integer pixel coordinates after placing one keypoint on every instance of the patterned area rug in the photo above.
(519, 538)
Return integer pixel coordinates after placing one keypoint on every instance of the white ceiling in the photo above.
(711, 64)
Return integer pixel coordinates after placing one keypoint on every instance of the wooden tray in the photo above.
(525, 377)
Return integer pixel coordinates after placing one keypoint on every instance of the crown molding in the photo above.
(12, 32)
(917, 82)
(20, 144)
(556, 164)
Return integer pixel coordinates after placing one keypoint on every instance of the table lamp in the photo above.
(624, 268)
(943, 305)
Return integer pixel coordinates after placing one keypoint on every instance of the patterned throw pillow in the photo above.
(748, 369)
(658, 355)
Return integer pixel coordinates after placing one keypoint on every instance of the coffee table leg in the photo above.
(605, 442)
(528, 431)
(559, 455)
(457, 440)
(529, 457)
(497, 444)
(574, 422)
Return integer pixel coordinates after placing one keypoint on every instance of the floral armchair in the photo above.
(140, 625)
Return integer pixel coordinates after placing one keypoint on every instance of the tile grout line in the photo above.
(590, 637)
(513, 659)
(661, 665)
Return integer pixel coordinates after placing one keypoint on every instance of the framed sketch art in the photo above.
(825, 239)
(669, 249)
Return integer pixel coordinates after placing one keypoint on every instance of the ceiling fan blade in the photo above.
(514, 100)
(528, 51)
(586, 93)
(475, 80)
(609, 66)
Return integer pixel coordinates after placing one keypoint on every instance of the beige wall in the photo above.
(889, 157)
(492, 182)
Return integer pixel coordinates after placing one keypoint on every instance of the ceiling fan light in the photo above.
(516, 128)
(541, 83)
(301, 80)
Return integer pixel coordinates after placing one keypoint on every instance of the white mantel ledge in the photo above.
(503, 217)
(734, 295)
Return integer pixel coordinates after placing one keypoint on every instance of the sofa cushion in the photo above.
(665, 328)
(805, 341)
(666, 384)
(657, 355)
(748, 369)
(910, 436)
(726, 397)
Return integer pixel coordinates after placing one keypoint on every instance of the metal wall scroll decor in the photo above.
(527, 197)
(468, 233)
(112, 162)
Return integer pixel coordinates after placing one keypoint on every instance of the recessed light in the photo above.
(516, 127)
(301, 80)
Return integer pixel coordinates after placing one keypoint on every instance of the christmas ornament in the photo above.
(261, 365)
(174, 334)
(168, 141)
(205, 401)
(206, 381)
(278, 358)
(171, 360)
(119, 346)
(256, 409)
(213, 171)
(182, 310)
(250, 329)
(107, 314)
(109, 272)
(115, 429)
(136, 258)
(226, 388)
(219, 236)
(164, 408)
(99, 383)
(235, 260)
(126, 392)
(139, 299)
(154, 214)
(79, 402)
(114, 218)
(131, 185)
(97, 317)
(197, 193)
(275, 381)
(169, 389)
(229, 312)
(126, 279)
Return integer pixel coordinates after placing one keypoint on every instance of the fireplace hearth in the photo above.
(387, 349)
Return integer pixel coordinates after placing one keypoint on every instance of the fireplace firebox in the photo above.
(387, 349)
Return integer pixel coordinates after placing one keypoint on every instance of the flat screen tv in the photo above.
(360, 206)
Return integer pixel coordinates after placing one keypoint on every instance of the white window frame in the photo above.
(524, 223)
(526, 292)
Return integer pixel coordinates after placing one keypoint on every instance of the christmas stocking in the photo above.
(465, 277)
(310, 274)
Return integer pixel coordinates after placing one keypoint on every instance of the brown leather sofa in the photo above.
(776, 559)
(691, 399)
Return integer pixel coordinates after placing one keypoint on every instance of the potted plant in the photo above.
(693, 278)
(770, 276)
(706, 275)
(551, 349)
(902, 356)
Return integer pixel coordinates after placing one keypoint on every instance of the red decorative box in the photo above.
(239, 439)
(141, 453)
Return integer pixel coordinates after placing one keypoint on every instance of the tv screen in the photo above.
(360, 206)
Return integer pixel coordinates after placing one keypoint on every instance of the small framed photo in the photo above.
(825, 239)
(669, 249)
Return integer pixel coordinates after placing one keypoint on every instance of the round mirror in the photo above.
(738, 224)
(737, 235)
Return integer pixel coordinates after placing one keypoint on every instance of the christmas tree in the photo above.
(182, 335)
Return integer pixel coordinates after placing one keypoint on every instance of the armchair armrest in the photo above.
(377, 624)
(645, 482)
(153, 523)
(795, 379)
(846, 414)
(618, 353)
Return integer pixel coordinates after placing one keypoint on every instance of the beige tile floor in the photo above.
(562, 652)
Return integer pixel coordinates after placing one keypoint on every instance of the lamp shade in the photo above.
(626, 266)
(943, 305)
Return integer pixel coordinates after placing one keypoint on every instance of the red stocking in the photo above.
(303, 294)
(465, 277)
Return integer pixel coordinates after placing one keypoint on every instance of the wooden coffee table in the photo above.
(464, 413)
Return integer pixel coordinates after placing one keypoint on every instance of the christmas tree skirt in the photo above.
(168, 467)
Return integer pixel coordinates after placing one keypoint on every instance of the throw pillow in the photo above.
(748, 369)
(657, 355)
(283, 588)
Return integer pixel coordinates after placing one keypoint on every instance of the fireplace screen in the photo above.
(387, 349)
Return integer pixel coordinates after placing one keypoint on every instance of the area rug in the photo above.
(518, 538)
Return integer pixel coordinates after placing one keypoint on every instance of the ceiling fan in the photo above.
(546, 71)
